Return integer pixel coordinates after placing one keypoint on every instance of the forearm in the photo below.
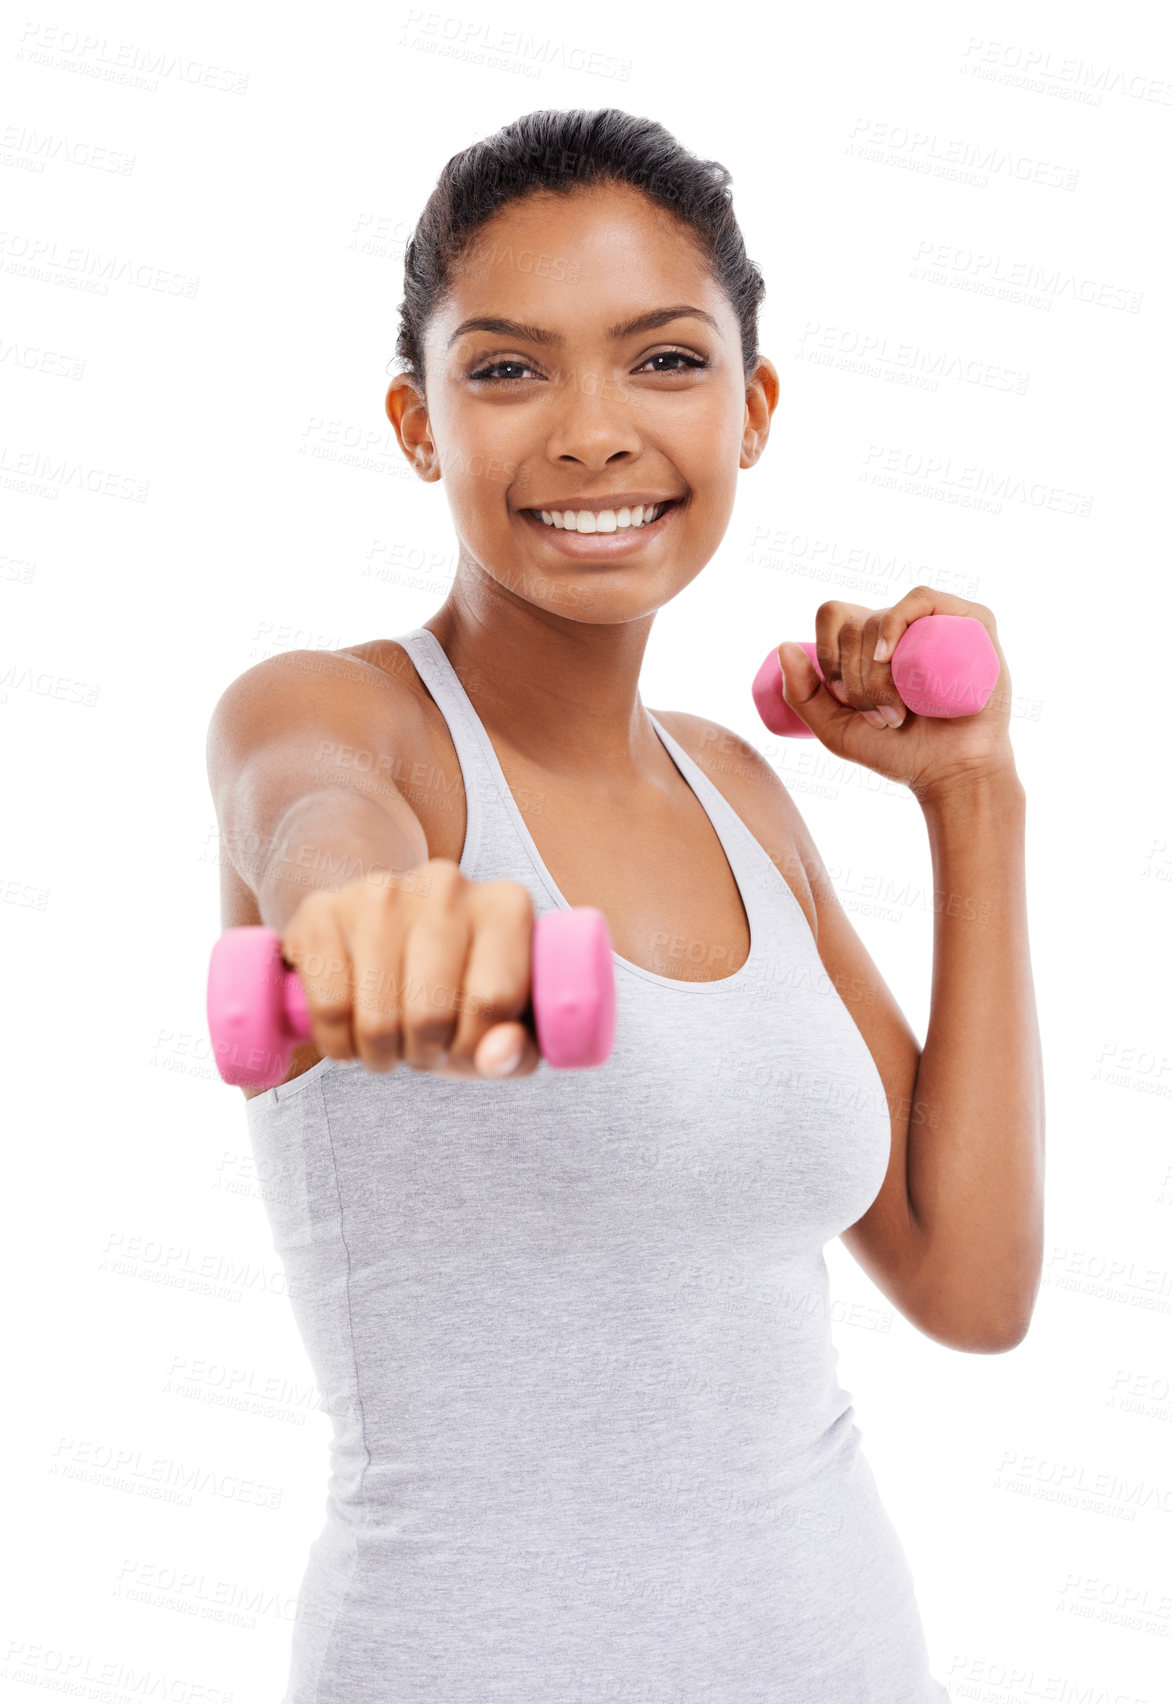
(327, 839)
(975, 1166)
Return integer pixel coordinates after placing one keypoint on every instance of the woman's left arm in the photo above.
(969, 1248)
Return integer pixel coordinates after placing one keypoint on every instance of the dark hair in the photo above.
(560, 152)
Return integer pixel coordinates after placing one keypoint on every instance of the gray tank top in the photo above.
(573, 1336)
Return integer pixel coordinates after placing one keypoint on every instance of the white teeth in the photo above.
(602, 520)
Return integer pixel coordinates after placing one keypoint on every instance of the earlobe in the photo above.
(751, 446)
(760, 401)
(407, 412)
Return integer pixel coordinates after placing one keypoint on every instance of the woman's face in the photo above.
(515, 422)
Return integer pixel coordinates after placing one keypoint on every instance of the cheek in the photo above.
(479, 461)
(712, 436)
(487, 454)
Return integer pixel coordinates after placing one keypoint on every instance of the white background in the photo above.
(197, 472)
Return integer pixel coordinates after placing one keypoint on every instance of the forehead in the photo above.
(576, 263)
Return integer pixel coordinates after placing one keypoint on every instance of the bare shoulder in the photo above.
(317, 703)
(390, 661)
(289, 681)
(751, 785)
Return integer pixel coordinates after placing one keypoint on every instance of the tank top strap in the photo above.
(477, 765)
(752, 865)
(497, 844)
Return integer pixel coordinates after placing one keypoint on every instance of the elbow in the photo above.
(989, 1335)
(997, 1337)
(969, 1342)
(1002, 1319)
(999, 1342)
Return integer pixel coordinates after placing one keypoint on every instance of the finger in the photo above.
(377, 929)
(317, 950)
(850, 662)
(854, 686)
(821, 711)
(827, 622)
(498, 980)
(920, 601)
(435, 955)
(879, 686)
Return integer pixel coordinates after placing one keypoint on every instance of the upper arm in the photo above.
(884, 1241)
(293, 725)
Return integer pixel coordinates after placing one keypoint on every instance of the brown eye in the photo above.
(693, 361)
(487, 375)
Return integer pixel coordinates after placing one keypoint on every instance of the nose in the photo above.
(593, 420)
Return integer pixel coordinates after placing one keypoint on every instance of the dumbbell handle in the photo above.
(257, 1010)
(943, 666)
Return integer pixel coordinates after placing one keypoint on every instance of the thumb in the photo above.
(805, 691)
(507, 1050)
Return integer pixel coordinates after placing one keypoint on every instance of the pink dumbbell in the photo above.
(257, 1010)
(944, 665)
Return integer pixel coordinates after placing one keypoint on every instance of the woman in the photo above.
(572, 1327)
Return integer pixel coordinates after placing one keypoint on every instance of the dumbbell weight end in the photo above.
(573, 999)
(256, 1007)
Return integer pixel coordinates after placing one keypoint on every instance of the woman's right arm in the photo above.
(402, 958)
(287, 823)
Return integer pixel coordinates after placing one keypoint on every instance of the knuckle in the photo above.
(380, 895)
(379, 1053)
(457, 1061)
(316, 901)
(513, 896)
(309, 918)
(443, 877)
(427, 1017)
(495, 1001)
(377, 1023)
(327, 1005)
(379, 902)
(425, 1052)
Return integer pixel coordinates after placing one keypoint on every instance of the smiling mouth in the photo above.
(640, 518)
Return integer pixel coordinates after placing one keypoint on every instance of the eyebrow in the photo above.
(626, 328)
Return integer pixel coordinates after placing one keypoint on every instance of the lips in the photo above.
(603, 547)
(663, 504)
(571, 532)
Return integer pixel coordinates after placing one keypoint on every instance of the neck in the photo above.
(563, 695)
